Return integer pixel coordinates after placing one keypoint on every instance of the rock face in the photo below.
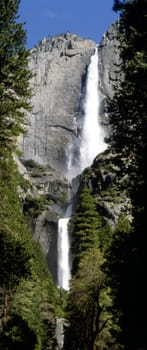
(107, 178)
(45, 198)
(110, 61)
(59, 65)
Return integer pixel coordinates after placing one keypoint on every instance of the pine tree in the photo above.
(88, 304)
(120, 273)
(89, 298)
(87, 224)
(128, 121)
(27, 292)
(14, 74)
(128, 108)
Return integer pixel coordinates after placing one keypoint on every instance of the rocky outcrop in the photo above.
(108, 178)
(59, 65)
(110, 61)
(44, 194)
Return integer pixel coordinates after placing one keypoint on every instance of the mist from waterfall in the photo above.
(88, 145)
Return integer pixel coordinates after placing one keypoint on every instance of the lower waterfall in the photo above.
(90, 143)
(63, 251)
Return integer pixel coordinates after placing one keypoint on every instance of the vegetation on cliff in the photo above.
(122, 262)
(128, 121)
(89, 297)
(106, 304)
(27, 292)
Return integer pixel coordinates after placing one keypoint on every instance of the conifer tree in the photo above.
(88, 299)
(128, 108)
(14, 74)
(88, 304)
(87, 222)
(128, 120)
(26, 287)
(120, 274)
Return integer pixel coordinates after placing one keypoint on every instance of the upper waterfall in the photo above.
(92, 137)
(90, 143)
(91, 140)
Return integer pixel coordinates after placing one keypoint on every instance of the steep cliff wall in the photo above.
(109, 60)
(59, 66)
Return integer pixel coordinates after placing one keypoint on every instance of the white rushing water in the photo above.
(91, 141)
(90, 144)
(92, 137)
(63, 251)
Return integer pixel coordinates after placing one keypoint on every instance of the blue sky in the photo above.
(88, 18)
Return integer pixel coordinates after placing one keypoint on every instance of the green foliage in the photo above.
(128, 109)
(27, 286)
(89, 300)
(61, 303)
(34, 206)
(27, 291)
(119, 268)
(36, 169)
(87, 222)
(24, 274)
(17, 334)
(128, 121)
(14, 74)
(111, 195)
(24, 184)
(32, 303)
(125, 250)
(15, 260)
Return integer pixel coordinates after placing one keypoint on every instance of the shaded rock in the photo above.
(45, 233)
(110, 60)
(107, 178)
(45, 201)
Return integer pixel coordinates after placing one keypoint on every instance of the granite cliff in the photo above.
(109, 60)
(59, 65)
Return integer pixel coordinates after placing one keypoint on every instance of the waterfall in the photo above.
(92, 137)
(63, 251)
(89, 144)
(91, 140)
